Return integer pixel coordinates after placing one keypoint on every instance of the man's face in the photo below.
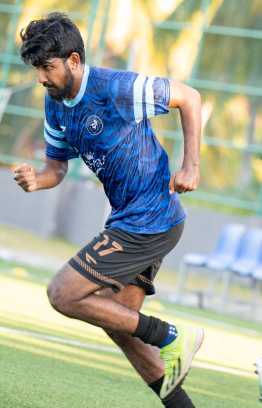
(57, 77)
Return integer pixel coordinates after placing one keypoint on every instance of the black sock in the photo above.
(178, 400)
(151, 330)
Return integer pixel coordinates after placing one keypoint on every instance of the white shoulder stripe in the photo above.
(138, 97)
(56, 143)
(53, 132)
(150, 104)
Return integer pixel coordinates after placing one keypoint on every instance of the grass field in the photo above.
(42, 366)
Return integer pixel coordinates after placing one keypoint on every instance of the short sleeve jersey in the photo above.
(107, 125)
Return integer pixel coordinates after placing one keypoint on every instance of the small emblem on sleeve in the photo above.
(94, 125)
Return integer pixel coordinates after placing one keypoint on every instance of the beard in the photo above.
(58, 94)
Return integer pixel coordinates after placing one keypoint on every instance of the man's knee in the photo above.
(54, 296)
(58, 297)
(68, 289)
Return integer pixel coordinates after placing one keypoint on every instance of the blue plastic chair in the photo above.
(225, 251)
(227, 247)
(249, 253)
(248, 256)
(257, 270)
(223, 255)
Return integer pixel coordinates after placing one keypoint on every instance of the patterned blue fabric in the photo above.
(108, 126)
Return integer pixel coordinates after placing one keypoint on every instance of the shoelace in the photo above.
(168, 358)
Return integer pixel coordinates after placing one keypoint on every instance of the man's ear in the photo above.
(74, 60)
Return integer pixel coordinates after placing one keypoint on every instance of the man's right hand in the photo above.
(25, 177)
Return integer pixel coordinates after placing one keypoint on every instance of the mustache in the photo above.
(50, 86)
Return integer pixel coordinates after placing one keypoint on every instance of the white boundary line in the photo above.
(227, 370)
(60, 340)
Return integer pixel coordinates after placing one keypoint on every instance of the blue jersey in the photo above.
(107, 125)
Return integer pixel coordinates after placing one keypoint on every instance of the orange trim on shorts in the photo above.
(97, 274)
(144, 279)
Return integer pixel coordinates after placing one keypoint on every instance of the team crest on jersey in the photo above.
(94, 125)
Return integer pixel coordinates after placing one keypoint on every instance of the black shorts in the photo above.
(116, 257)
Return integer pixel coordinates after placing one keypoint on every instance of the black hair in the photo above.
(54, 36)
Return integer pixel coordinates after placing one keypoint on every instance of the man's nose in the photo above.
(41, 76)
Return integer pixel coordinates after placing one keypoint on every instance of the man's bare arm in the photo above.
(188, 101)
(48, 176)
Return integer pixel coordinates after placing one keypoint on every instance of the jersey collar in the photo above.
(79, 96)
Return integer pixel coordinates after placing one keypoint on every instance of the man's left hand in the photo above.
(186, 179)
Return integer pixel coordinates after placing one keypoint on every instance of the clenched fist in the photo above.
(25, 177)
(186, 179)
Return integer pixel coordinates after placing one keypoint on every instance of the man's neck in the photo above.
(78, 81)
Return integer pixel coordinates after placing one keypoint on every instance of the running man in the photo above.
(102, 115)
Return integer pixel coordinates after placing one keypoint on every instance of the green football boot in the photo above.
(178, 356)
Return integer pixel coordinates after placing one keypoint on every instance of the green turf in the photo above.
(18, 238)
(209, 389)
(25, 272)
(41, 373)
(35, 377)
(29, 379)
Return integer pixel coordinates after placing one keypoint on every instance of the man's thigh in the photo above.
(69, 285)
